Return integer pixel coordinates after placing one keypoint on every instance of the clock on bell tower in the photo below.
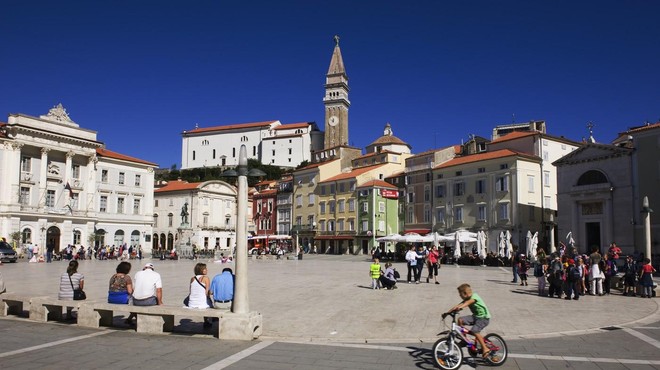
(336, 101)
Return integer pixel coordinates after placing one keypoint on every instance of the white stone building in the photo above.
(271, 142)
(60, 186)
(211, 207)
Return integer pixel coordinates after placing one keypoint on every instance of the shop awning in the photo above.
(334, 237)
(417, 231)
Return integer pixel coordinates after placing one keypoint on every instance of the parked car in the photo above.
(7, 254)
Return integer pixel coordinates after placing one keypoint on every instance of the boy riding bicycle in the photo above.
(480, 317)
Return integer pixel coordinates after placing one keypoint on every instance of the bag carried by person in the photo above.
(78, 294)
(538, 270)
(574, 274)
(396, 274)
(118, 297)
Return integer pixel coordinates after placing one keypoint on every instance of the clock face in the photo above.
(333, 121)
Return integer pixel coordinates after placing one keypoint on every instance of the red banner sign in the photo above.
(394, 194)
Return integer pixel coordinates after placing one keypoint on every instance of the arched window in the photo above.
(592, 177)
(170, 241)
(135, 238)
(26, 236)
(119, 237)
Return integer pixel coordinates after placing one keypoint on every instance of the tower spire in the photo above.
(337, 62)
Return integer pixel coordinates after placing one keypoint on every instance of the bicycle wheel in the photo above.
(498, 349)
(446, 356)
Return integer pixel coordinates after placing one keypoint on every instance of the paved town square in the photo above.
(320, 313)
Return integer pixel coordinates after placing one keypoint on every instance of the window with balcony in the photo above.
(103, 204)
(122, 177)
(50, 198)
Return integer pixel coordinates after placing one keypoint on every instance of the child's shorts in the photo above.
(478, 324)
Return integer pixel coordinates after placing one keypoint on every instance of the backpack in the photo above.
(574, 274)
(396, 274)
(538, 270)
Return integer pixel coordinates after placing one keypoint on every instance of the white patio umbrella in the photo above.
(457, 246)
(501, 243)
(412, 238)
(481, 245)
(389, 238)
(509, 248)
(534, 246)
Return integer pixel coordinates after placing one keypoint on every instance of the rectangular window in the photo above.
(440, 215)
(546, 156)
(340, 225)
(290, 151)
(233, 152)
(311, 198)
(26, 164)
(482, 213)
(155, 202)
(351, 205)
(411, 215)
(504, 166)
(427, 214)
(136, 206)
(532, 213)
(381, 207)
(440, 191)
(322, 189)
(120, 205)
(480, 186)
(322, 208)
(104, 176)
(25, 196)
(75, 171)
(332, 188)
(481, 169)
(504, 211)
(322, 225)
(254, 150)
(299, 200)
(365, 226)
(502, 183)
(342, 187)
(459, 189)
(341, 205)
(459, 173)
(428, 177)
(138, 180)
(427, 194)
(546, 178)
(170, 220)
(530, 183)
(298, 221)
(365, 207)
(331, 225)
(458, 214)
(351, 225)
(74, 201)
(121, 178)
(331, 206)
(103, 204)
(411, 197)
(381, 225)
(273, 152)
(50, 198)
(352, 186)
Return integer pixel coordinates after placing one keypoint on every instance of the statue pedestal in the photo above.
(184, 244)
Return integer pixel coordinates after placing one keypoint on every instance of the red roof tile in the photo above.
(354, 173)
(377, 184)
(110, 154)
(229, 127)
(290, 126)
(178, 186)
(514, 135)
(643, 128)
(502, 153)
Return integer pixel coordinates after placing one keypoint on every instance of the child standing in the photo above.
(523, 266)
(646, 279)
(629, 276)
(374, 272)
(540, 269)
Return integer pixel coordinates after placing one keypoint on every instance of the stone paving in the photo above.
(328, 298)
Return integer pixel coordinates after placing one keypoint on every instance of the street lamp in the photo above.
(646, 216)
(241, 302)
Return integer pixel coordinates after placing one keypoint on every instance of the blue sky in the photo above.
(142, 71)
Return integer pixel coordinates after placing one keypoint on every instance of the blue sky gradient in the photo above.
(140, 72)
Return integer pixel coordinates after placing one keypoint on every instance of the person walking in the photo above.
(432, 261)
(514, 265)
(421, 257)
(69, 281)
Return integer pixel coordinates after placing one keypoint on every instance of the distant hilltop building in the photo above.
(270, 142)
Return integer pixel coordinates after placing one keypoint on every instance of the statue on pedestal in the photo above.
(184, 214)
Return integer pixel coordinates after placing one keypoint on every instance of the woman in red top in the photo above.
(646, 279)
(432, 264)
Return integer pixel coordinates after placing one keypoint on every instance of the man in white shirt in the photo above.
(148, 290)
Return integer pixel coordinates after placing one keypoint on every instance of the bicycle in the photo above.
(448, 351)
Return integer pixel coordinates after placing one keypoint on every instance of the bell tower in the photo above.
(336, 101)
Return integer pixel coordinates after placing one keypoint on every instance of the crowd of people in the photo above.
(570, 275)
(147, 288)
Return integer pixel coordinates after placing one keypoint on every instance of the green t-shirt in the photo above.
(478, 308)
(375, 271)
